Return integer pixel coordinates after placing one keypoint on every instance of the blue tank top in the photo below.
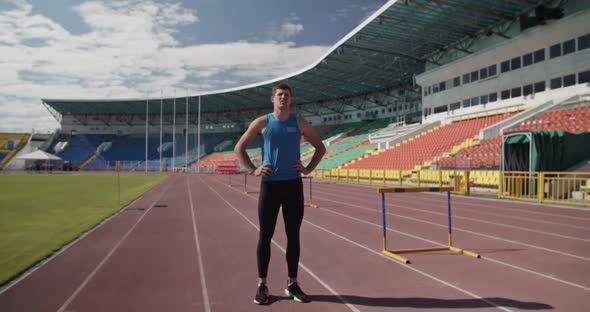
(281, 148)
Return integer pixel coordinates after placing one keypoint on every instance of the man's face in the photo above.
(282, 99)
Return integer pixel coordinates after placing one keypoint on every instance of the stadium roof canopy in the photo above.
(383, 53)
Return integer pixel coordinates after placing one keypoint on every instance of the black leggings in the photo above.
(289, 195)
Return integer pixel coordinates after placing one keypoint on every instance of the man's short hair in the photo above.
(282, 86)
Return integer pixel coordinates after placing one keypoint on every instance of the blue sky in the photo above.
(125, 49)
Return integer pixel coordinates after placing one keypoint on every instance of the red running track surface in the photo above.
(189, 245)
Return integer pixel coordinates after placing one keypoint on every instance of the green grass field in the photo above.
(39, 213)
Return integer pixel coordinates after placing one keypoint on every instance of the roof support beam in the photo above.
(388, 52)
(417, 33)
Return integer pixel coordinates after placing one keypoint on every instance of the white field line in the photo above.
(108, 256)
(303, 266)
(491, 303)
(198, 249)
(520, 228)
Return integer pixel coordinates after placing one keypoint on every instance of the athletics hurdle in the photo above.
(229, 181)
(394, 253)
(311, 204)
(246, 186)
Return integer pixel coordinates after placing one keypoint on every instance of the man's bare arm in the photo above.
(246, 140)
(314, 139)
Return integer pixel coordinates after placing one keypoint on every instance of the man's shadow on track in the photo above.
(420, 302)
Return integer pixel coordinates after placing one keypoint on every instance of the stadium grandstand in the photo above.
(486, 102)
(420, 86)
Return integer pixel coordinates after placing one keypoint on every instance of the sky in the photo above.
(67, 49)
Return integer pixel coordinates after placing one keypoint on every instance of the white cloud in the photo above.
(345, 12)
(129, 49)
(288, 28)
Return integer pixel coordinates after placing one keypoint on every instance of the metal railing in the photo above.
(382, 177)
(572, 188)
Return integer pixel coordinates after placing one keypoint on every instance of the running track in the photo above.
(189, 245)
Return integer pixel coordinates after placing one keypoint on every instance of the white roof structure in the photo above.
(38, 155)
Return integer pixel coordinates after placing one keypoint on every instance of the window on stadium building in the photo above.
(492, 70)
(569, 47)
(505, 66)
(493, 97)
(584, 77)
(555, 83)
(475, 101)
(555, 51)
(466, 102)
(442, 86)
(527, 90)
(539, 86)
(505, 94)
(527, 59)
(474, 76)
(455, 106)
(584, 42)
(539, 55)
(569, 80)
(515, 63)
(466, 79)
(440, 109)
(516, 92)
(483, 99)
(483, 73)
(456, 81)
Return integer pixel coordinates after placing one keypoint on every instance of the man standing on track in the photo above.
(281, 185)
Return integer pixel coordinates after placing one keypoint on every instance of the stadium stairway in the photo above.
(6, 154)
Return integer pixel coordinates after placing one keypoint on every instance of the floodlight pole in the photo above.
(161, 104)
(174, 133)
(146, 131)
(186, 134)
(199, 136)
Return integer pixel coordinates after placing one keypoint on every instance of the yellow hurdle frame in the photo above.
(394, 253)
(310, 204)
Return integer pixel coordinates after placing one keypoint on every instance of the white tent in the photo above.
(38, 155)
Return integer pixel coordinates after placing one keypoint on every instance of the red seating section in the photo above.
(426, 147)
(486, 154)
(218, 159)
(570, 120)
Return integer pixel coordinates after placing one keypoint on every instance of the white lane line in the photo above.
(466, 231)
(68, 246)
(441, 244)
(198, 247)
(491, 303)
(500, 201)
(520, 228)
(106, 258)
(303, 266)
(461, 203)
(473, 295)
